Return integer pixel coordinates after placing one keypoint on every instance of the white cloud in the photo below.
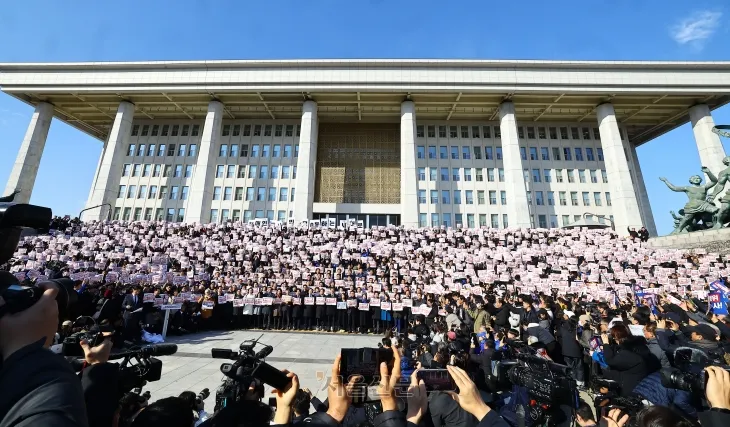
(697, 28)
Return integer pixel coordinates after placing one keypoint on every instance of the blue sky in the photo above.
(34, 30)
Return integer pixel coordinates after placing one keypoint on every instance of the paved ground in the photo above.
(192, 367)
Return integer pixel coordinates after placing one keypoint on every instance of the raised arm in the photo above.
(671, 186)
(719, 185)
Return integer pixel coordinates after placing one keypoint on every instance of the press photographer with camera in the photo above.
(39, 388)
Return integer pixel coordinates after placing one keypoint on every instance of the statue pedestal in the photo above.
(711, 240)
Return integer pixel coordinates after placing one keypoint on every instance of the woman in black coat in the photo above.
(331, 312)
(286, 312)
(628, 357)
(375, 311)
(319, 310)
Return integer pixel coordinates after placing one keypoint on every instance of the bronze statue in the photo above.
(721, 216)
(10, 198)
(697, 205)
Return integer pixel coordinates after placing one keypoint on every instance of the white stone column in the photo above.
(197, 209)
(518, 211)
(643, 197)
(625, 207)
(408, 178)
(708, 143)
(22, 177)
(307, 163)
(110, 169)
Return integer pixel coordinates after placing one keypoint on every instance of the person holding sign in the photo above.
(385, 312)
(297, 309)
(308, 313)
(276, 309)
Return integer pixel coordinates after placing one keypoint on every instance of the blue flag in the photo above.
(719, 286)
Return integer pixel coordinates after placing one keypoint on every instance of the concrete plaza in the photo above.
(304, 353)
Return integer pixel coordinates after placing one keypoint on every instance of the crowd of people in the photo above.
(615, 311)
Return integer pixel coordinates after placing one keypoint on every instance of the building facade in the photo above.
(453, 143)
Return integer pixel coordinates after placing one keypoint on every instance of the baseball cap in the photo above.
(674, 317)
(706, 331)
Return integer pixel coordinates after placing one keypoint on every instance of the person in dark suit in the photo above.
(131, 303)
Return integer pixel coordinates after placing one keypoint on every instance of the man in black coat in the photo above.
(501, 313)
(132, 302)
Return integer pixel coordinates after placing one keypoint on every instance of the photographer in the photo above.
(628, 358)
(39, 388)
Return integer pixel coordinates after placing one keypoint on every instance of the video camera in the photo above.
(688, 373)
(249, 367)
(18, 297)
(146, 368)
(544, 380)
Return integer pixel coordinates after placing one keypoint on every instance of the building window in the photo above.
(466, 152)
(480, 174)
(608, 200)
(249, 194)
(227, 193)
(455, 174)
(599, 151)
(272, 194)
(478, 152)
(533, 153)
(184, 193)
(431, 151)
(244, 150)
(444, 174)
(421, 152)
(586, 198)
(175, 130)
(457, 197)
(578, 154)
(261, 194)
(469, 195)
(538, 198)
(219, 171)
(589, 154)
(500, 174)
(421, 174)
(422, 218)
(422, 197)
(550, 198)
(432, 174)
(594, 177)
(265, 150)
(443, 152)
(582, 176)
(276, 152)
(431, 131)
(492, 197)
(488, 153)
(574, 198)
(216, 193)
(597, 199)
(419, 131)
(536, 175)
(495, 220)
(523, 153)
(563, 201)
(604, 176)
(467, 174)
(454, 152)
(434, 197)
(267, 130)
(546, 173)
(487, 131)
(234, 150)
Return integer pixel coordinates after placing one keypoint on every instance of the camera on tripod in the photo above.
(249, 367)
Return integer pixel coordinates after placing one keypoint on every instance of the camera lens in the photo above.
(66, 297)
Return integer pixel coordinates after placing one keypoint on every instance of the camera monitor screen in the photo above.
(437, 379)
(364, 362)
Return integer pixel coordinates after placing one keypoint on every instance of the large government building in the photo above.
(405, 142)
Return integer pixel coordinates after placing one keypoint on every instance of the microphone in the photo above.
(147, 351)
(264, 352)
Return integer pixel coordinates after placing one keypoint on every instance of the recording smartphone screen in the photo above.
(437, 379)
(272, 402)
(364, 362)
(596, 342)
